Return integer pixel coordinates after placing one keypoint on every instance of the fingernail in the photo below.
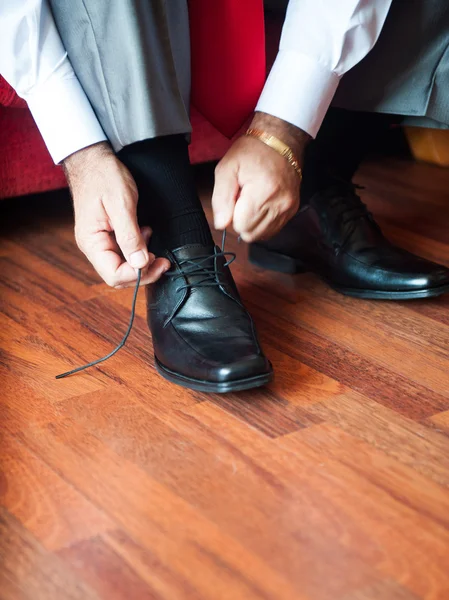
(138, 259)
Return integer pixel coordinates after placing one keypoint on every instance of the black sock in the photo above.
(168, 200)
(343, 141)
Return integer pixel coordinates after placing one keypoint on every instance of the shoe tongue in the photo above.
(192, 251)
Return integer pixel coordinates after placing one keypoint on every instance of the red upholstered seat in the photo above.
(228, 73)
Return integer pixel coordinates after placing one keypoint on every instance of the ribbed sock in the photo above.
(168, 199)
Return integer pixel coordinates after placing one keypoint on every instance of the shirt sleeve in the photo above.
(34, 62)
(321, 40)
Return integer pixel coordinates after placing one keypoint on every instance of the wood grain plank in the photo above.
(106, 572)
(22, 406)
(46, 288)
(193, 470)
(401, 482)
(440, 422)
(10, 329)
(329, 484)
(159, 576)
(52, 510)
(28, 572)
(421, 564)
(385, 590)
(214, 563)
(394, 538)
(43, 225)
(340, 322)
(349, 368)
(409, 442)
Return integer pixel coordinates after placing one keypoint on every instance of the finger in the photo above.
(261, 231)
(147, 233)
(113, 269)
(151, 274)
(248, 212)
(224, 196)
(129, 237)
(271, 219)
(267, 228)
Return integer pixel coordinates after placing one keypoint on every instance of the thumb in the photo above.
(130, 239)
(224, 197)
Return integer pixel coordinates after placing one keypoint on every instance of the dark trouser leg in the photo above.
(343, 141)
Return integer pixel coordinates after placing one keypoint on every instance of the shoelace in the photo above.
(192, 267)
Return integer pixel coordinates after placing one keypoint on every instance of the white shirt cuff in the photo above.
(299, 90)
(64, 117)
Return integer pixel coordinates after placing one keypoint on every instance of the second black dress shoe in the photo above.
(336, 237)
(203, 336)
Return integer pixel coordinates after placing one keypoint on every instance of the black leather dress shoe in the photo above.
(203, 336)
(336, 237)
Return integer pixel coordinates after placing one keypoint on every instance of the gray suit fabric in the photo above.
(132, 58)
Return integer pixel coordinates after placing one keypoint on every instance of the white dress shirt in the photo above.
(321, 41)
(34, 62)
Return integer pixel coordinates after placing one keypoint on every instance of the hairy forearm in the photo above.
(294, 137)
(80, 160)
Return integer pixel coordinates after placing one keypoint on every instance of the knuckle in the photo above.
(271, 185)
(275, 212)
(247, 237)
(288, 203)
(112, 281)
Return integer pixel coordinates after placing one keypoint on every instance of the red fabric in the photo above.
(8, 96)
(25, 164)
(227, 41)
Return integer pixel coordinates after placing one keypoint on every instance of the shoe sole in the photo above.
(260, 257)
(215, 387)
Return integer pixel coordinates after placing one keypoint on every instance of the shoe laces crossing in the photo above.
(202, 266)
(188, 267)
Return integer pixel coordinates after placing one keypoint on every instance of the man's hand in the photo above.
(256, 189)
(106, 229)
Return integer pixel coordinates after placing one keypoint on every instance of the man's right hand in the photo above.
(106, 229)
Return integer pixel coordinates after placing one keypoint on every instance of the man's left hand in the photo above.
(256, 189)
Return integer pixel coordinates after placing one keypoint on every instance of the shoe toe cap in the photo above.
(430, 276)
(244, 368)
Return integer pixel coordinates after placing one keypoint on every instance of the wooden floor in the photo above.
(331, 484)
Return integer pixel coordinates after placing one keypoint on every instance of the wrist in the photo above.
(81, 158)
(289, 134)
